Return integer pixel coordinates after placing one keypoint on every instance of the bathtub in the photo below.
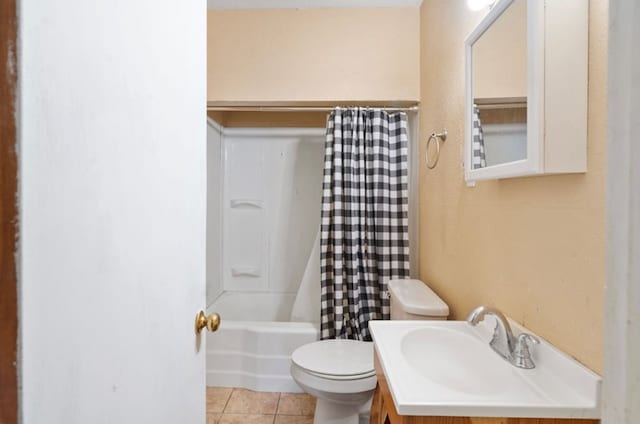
(253, 345)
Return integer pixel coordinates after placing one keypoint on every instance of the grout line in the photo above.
(228, 399)
(277, 406)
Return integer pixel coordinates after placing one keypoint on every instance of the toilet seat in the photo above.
(338, 377)
(336, 359)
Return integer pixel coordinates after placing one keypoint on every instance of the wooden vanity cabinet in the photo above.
(383, 411)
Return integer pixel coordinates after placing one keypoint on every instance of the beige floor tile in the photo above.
(213, 418)
(245, 419)
(244, 401)
(217, 398)
(296, 404)
(294, 419)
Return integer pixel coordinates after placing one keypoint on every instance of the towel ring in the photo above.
(434, 137)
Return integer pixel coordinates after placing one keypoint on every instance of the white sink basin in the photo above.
(448, 368)
(473, 361)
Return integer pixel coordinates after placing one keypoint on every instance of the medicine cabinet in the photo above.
(526, 90)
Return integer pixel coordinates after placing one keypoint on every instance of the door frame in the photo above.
(621, 381)
(8, 213)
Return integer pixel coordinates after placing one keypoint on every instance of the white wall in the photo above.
(112, 210)
(281, 169)
(621, 384)
(214, 211)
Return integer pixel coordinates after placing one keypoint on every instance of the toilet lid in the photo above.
(336, 357)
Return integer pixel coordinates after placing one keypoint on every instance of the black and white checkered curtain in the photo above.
(364, 238)
(478, 155)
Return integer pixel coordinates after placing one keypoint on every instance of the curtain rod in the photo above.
(301, 108)
(500, 102)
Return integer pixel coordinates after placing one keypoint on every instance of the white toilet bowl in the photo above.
(340, 374)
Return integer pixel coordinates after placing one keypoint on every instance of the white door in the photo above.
(112, 211)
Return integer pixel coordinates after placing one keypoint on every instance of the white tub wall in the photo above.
(281, 170)
(253, 306)
(214, 211)
(245, 236)
(296, 199)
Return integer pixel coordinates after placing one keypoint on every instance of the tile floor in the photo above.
(241, 406)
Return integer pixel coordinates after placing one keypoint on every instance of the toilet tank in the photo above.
(414, 300)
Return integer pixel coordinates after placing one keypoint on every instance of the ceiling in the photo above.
(308, 4)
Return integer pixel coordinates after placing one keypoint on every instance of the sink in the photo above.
(447, 368)
(456, 359)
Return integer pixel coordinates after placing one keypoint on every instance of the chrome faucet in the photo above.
(515, 350)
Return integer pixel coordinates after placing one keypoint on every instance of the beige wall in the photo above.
(289, 55)
(500, 56)
(534, 247)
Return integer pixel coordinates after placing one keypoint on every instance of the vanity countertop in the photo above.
(446, 368)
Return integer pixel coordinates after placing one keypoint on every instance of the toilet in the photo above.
(340, 373)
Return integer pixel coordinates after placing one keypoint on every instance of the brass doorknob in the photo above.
(210, 322)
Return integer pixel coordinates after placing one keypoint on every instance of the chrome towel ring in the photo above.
(435, 137)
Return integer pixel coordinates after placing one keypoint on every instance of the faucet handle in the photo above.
(525, 338)
(521, 354)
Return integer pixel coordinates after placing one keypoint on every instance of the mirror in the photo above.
(499, 89)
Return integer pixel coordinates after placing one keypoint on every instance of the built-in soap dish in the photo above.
(245, 272)
(246, 204)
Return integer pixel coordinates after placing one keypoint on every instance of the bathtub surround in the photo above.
(364, 234)
(539, 253)
(265, 186)
(267, 215)
(306, 306)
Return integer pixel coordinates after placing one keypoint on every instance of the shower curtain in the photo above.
(364, 240)
(478, 159)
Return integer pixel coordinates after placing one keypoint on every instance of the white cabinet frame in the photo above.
(557, 81)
